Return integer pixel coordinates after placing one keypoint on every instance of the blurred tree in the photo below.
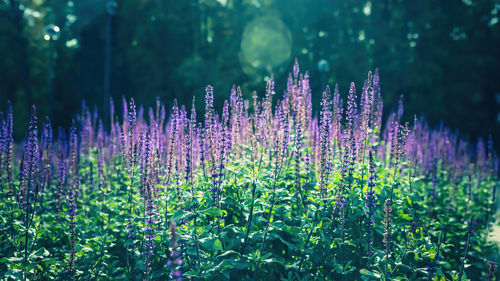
(441, 54)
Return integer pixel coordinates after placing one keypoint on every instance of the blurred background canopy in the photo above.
(443, 55)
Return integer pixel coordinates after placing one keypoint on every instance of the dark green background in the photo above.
(451, 72)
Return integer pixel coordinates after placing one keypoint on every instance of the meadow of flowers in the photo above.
(267, 189)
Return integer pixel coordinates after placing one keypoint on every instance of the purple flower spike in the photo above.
(296, 69)
(175, 261)
(370, 204)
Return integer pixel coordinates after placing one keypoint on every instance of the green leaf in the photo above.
(213, 244)
(213, 212)
(40, 253)
(182, 215)
(228, 254)
(368, 273)
(217, 245)
(15, 259)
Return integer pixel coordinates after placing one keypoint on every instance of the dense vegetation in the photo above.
(263, 191)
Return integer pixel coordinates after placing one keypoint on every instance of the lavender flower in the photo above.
(296, 69)
(352, 110)
(149, 233)
(72, 199)
(189, 134)
(470, 232)
(470, 225)
(8, 148)
(174, 128)
(307, 163)
(209, 123)
(175, 261)
(338, 209)
(32, 157)
(352, 115)
(387, 224)
(72, 195)
(75, 157)
(414, 226)
(61, 180)
(149, 208)
(370, 204)
(130, 145)
(3, 138)
(29, 185)
(45, 156)
(130, 233)
(325, 131)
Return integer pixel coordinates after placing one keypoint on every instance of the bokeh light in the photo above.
(266, 45)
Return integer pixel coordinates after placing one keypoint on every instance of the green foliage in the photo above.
(305, 239)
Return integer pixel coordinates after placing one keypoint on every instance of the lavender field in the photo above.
(268, 188)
